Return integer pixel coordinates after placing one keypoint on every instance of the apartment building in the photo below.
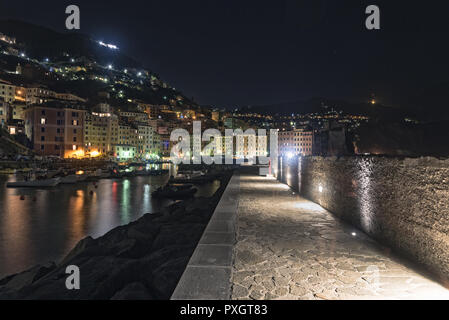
(127, 134)
(56, 129)
(100, 133)
(295, 142)
(148, 141)
(7, 91)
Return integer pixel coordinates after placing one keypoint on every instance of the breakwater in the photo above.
(401, 202)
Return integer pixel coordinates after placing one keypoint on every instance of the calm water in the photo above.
(46, 229)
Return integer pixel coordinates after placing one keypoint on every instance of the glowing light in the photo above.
(320, 188)
(139, 74)
(80, 172)
(110, 66)
(353, 234)
(290, 155)
(94, 154)
(108, 45)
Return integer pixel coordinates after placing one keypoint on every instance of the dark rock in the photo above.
(166, 277)
(178, 234)
(133, 291)
(21, 280)
(80, 247)
(157, 258)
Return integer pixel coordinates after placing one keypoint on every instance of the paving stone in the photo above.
(291, 248)
(298, 291)
(239, 292)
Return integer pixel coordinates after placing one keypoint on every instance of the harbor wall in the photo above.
(401, 202)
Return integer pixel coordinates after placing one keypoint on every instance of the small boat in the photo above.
(180, 186)
(70, 179)
(174, 193)
(92, 177)
(81, 177)
(128, 174)
(105, 175)
(44, 183)
(116, 175)
(52, 173)
(141, 173)
(194, 180)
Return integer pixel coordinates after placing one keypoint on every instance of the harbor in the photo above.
(40, 224)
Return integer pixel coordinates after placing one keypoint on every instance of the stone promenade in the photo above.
(290, 248)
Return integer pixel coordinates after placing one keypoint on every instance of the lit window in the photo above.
(43, 121)
(74, 147)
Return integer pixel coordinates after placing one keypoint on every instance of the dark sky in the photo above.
(234, 53)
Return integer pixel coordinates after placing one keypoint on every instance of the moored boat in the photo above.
(44, 183)
(70, 179)
(174, 193)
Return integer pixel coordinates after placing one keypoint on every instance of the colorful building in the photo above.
(56, 129)
(100, 133)
(125, 153)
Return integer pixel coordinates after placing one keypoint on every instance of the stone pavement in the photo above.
(290, 248)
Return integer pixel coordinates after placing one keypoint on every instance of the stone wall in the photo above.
(403, 203)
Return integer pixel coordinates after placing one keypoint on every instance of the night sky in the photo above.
(235, 53)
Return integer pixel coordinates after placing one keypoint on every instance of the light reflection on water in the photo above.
(49, 222)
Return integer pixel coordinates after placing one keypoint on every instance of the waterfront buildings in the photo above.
(56, 129)
(100, 133)
(295, 142)
(124, 153)
(148, 141)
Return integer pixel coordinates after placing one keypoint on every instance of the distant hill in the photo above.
(320, 105)
(431, 102)
(42, 42)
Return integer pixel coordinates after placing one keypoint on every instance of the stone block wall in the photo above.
(403, 203)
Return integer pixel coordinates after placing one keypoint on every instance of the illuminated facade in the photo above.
(295, 142)
(151, 110)
(56, 131)
(39, 95)
(100, 133)
(127, 135)
(7, 91)
(18, 110)
(148, 141)
(125, 152)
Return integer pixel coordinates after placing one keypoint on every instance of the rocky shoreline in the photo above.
(141, 260)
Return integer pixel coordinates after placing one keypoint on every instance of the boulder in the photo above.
(133, 291)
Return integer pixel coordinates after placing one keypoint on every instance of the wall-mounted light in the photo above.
(320, 188)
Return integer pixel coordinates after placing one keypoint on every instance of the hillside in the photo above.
(41, 42)
(76, 63)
